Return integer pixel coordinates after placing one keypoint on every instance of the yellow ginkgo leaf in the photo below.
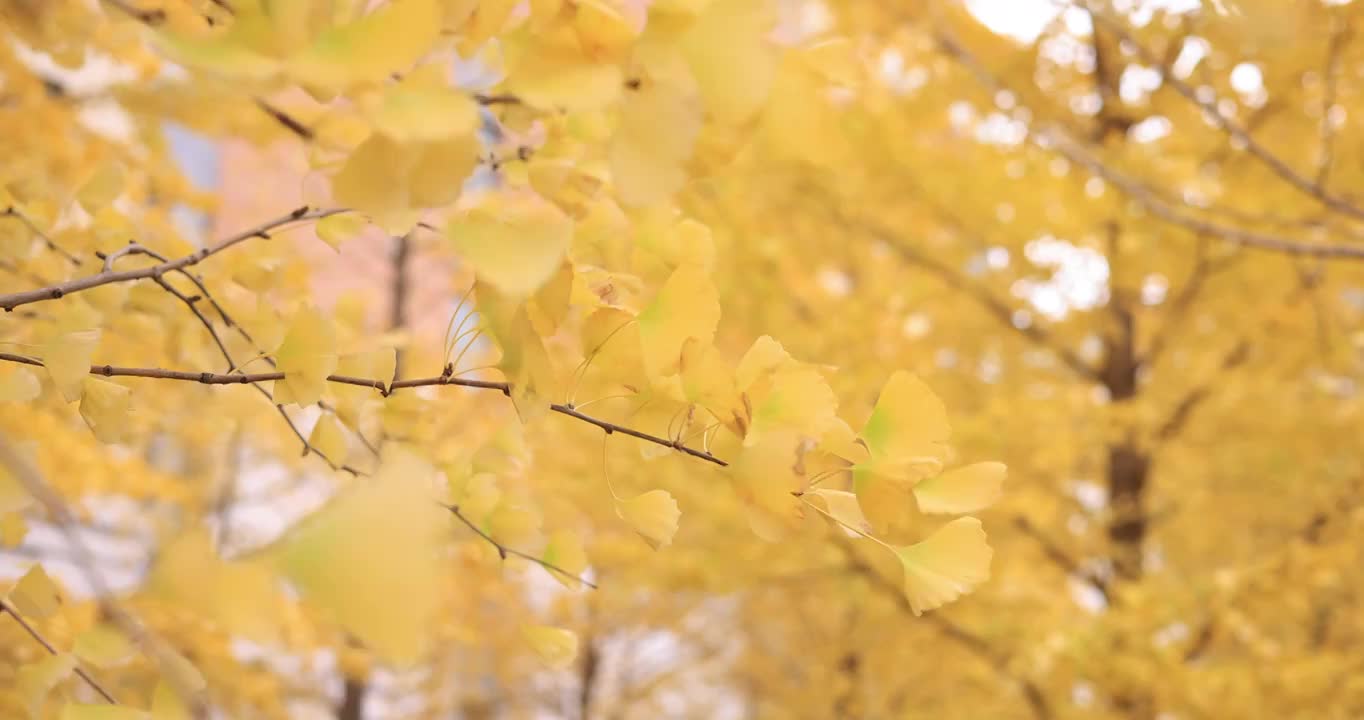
(238, 595)
(104, 407)
(565, 552)
(102, 711)
(514, 238)
(687, 306)
(35, 595)
(556, 647)
(731, 57)
(656, 135)
(909, 422)
(340, 228)
(553, 74)
(512, 525)
(13, 526)
(67, 359)
(225, 56)
(415, 111)
(962, 490)
(603, 29)
(103, 646)
(36, 681)
(329, 438)
(18, 384)
(306, 357)
(764, 476)
(370, 49)
(374, 181)
(844, 508)
(167, 704)
(102, 188)
(653, 515)
(947, 565)
(796, 398)
(370, 557)
(438, 174)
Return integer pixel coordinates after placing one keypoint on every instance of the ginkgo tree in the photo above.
(585, 295)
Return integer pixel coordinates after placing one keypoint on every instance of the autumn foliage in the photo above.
(680, 358)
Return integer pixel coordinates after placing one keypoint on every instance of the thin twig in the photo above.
(210, 378)
(503, 551)
(33, 632)
(56, 292)
(47, 239)
(1229, 126)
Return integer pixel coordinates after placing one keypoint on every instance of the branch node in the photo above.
(299, 212)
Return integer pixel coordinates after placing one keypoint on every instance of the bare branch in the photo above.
(55, 292)
(1179, 417)
(1340, 34)
(1061, 558)
(6, 608)
(1229, 126)
(209, 378)
(503, 551)
(1054, 138)
(47, 239)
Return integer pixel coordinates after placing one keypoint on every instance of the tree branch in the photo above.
(6, 608)
(55, 292)
(503, 551)
(1233, 130)
(209, 378)
(1061, 558)
(997, 659)
(1053, 138)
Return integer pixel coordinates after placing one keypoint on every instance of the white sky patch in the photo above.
(1079, 279)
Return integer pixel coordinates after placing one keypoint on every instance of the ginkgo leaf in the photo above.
(103, 646)
(565, 552)
(224, 56)
(306, 357)
(37, 680)
(438, 174)
(962, 490)
(764, 477)
(35, 595)
(556, 647)
(102, 188)
(603, 31)
(238, 595)
(763, 356)
(553, 74)
(18, 384)
(796, 398)
(13, 526)
(515, 239)
(513, 525)
(844, 508)
(329, 439)
(908, 423)
(653, 515)
(370, 49)
(73, 711)
(655, 137)
(67, 359)
(167, 704)
(340, 228)
(731, 57)
(370, 557)
(947, 565)
(104, 407)
(374, 181)
(422, 109)
(687, 306)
